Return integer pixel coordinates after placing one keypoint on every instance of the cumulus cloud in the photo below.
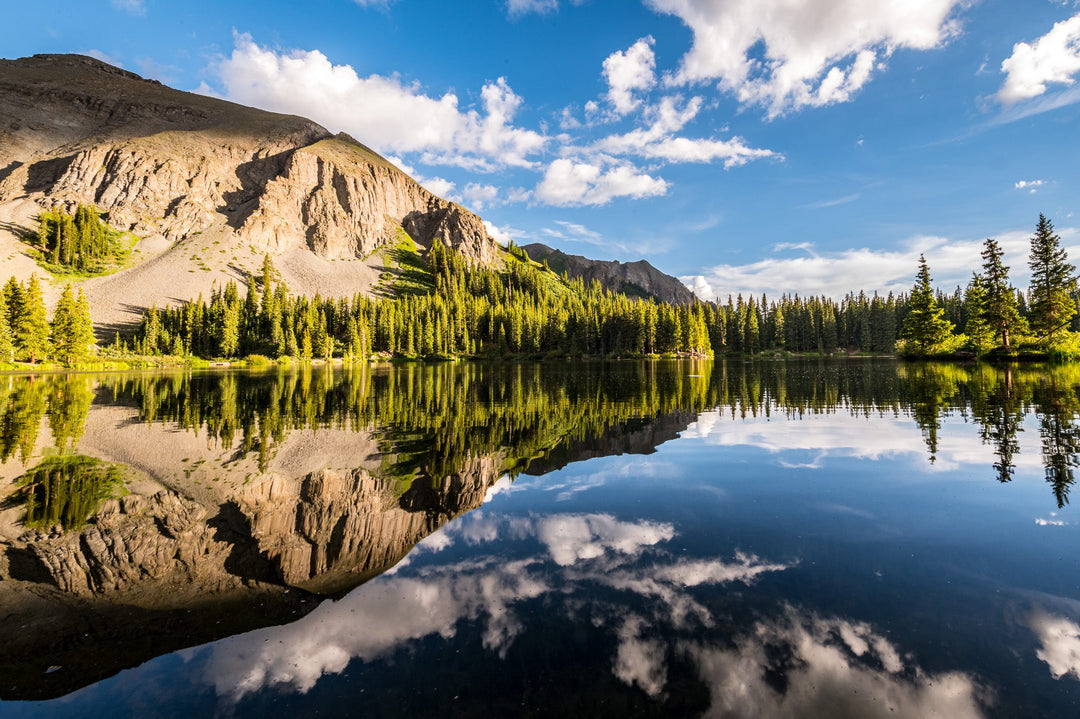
(1052, 59)
(657, 140)
(1060, 640)
(439, 186)
(814, 52)
(951, 264)
(388, 114)
(478, 196)
(570, 183)
(1031, 186)
(628, 72)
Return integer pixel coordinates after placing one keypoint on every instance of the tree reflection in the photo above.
(1056, 404)
(432, 420)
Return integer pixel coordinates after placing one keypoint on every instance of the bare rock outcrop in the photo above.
(632, 278)
(174, 165)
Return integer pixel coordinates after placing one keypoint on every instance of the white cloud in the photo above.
(135, 7)
(1052, 59)
(658, 142)
(815, 52)
(478, 196)
(1060, 639)
(836, 273)
(517, 8)
(439, 186)
(372, 108)
(499, 234)
(569, 183)
(629, 72)
(1031, 186)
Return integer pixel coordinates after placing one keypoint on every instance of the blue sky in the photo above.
(743, 145)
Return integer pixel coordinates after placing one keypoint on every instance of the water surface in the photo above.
(859, 538)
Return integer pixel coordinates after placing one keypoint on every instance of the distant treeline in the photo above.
(523, 309)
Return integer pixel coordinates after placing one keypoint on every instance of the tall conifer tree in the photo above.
(924, 326)
(1052, 282)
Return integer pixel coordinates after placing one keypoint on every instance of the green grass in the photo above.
(409, 272)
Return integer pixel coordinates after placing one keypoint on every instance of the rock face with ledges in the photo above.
(175, 165)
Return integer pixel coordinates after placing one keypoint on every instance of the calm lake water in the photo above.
(835, 539)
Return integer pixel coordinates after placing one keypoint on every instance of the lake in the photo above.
(849, 538)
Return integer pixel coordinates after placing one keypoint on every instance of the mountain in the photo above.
(209, 185)
(632, 278)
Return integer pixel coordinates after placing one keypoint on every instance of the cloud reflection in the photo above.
(800, 665)
(840, 434)
(653, 607)
(1060, 640)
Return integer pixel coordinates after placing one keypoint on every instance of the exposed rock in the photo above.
(175, 165)
(632, 278)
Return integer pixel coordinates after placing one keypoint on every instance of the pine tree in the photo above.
(979, 332)
(925, 326)
(1000, 306)
(1052, 282)
(84, 327)
(63, 327)
(7, 339)
(32, 326)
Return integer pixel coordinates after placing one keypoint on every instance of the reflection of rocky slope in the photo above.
(641, 436)
(156, 573)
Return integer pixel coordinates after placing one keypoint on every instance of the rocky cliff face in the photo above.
(632, 278)
(170, 164)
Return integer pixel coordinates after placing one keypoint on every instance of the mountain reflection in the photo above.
(278, 489)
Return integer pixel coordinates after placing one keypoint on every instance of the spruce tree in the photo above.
(924, 327)
(979, 332)
(84, 327)
(1052, 282)
(1000, 307)
(63, 327)
(32, 327)
(7, 339)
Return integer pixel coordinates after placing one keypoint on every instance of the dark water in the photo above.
(846, 539)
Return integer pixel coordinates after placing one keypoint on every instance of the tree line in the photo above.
(996, 317)
(523, 309)
(27, 335)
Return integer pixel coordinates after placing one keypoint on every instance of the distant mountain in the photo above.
(210, 185)
(632, 278)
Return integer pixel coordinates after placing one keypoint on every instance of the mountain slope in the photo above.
(209, 185)
(632, 278)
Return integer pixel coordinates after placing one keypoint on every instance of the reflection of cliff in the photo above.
(152, 574)
(635, 436)
(329, 531)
